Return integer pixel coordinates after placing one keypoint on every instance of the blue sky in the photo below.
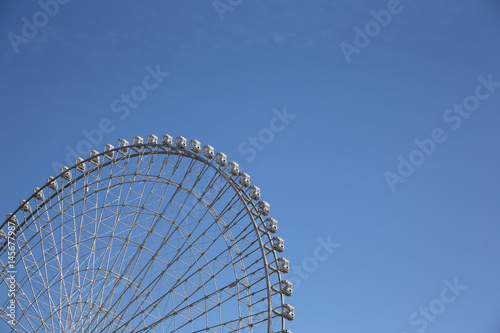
(325, 168)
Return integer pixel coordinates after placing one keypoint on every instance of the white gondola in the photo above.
(208, 151)
(271, 225)
(12, 218)
(264, 207)
(283, 265)
(233, 168)
(286, 287)
(221, 159)
(94, 157)
(245, 179)
(167, 140)
(80, 164)
(38, 194)
(278, 244)
(254, 192)
(25, 206)
(66, 173)
(52, 183)
(195, 146)
(288, 312)
(108, 150)
(181, 142)
(123, 144)
(138, 141)
(152, 139)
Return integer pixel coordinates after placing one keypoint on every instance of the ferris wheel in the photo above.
(155, 236)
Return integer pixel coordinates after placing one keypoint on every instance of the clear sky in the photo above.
(372, 125)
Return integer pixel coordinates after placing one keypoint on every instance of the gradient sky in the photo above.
(353, 120)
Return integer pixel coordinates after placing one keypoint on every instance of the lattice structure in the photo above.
(155, 236)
